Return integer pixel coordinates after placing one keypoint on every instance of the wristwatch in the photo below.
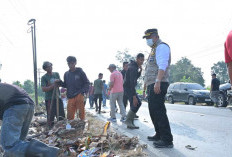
(157, 80)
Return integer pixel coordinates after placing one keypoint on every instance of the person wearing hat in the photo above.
(130, 83)
(49, 84)
(116, 93)
(157, 81)
(214, 91)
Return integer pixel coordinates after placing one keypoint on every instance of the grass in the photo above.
(139, 91)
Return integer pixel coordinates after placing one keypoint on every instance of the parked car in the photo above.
(190, 93)
(223, 96)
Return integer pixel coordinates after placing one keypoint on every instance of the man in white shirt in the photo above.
(156, 81)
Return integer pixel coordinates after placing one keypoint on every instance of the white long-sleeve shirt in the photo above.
(162, 56)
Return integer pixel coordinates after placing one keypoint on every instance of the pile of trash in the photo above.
(92, 137)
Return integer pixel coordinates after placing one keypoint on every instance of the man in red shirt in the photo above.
(228, 54)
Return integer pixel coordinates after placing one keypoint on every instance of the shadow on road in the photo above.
(185, 130)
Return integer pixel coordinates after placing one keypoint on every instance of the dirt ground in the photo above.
(91, 137)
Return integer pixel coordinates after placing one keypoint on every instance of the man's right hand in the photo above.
(57, 83)
(135, 101)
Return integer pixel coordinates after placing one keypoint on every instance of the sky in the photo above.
(94, 31)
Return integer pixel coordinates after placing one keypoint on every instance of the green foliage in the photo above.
(40, 92)
(17, 83)
(40, 98)
(139, 91)
(125, 56)
(208, 88)
(220, 70)
(184, 79)
(28, 86)
(185, 69)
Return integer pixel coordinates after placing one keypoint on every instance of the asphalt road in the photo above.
(205, 128)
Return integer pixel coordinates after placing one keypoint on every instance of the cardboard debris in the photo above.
(85, 138)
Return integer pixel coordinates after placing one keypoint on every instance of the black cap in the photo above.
(46, 64)
(149, 32)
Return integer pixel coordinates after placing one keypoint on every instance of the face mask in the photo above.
(150, 42)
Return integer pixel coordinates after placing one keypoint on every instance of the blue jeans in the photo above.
(104, 99)
(91, 100)
(15, 126)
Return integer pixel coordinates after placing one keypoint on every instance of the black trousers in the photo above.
(125, 100)
(52, 113)
(98, 97)
(130, 98)
(158, 113)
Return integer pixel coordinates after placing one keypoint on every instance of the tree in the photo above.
(220, 70)
(125, 56)
(184, 79)
(185, 69)
(17, 83)
(28, 86)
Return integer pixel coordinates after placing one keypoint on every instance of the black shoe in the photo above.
(162, 144)
(136, 116)
(153, 138)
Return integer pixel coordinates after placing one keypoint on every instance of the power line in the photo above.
(206, 49)
(7, 38)
(15, 8)
(210, 53)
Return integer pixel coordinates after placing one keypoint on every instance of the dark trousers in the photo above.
(130, 98)
(98, 97)
(52, 113)
(91, 100)
(125, 100)
(157, 111)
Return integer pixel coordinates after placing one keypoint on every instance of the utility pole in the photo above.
(31, 22)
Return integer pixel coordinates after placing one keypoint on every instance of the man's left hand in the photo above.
(157, 88)
(140, 68)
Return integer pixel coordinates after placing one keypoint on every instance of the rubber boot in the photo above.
(130, 120)
(136, 127)
(40, 149)
(136, 116)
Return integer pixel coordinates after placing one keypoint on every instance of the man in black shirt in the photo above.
(77, 84)
(130, 83)
(125, 68)
(214, 92)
